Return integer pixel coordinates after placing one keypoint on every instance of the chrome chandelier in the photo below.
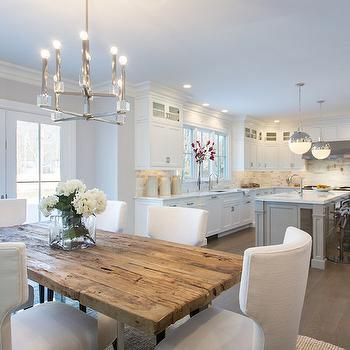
(300, 142)
(122, 106)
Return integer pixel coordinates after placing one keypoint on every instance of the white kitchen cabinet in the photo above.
(246, 212)
(214, 206)
(271, 156)
(231, 215)
(158, 133)
(166, 146)
(343, 132)
(250, 154)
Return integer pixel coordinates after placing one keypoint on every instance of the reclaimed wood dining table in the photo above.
(142, 282)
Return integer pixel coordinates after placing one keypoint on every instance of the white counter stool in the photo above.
(178, 225)
(50, 326)
(272, 294)
(14, 212)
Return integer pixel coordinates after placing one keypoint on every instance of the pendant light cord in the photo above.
(87, 16)
(300, 85)
(320, 102)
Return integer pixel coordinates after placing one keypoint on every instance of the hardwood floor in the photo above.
(326, 313)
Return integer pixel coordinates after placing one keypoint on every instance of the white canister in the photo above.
(152, 186)
(164, 186)
(176, 185)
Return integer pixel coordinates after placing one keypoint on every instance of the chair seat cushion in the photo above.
(215, 329)
(53, 326)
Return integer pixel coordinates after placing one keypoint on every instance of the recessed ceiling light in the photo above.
(187, 86)
(205, 104)
(224, 111)
(276, 121)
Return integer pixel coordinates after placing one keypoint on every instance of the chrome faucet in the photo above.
(210, 182)
(290, 180)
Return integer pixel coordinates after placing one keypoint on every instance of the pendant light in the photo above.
(300, 142)
(321, 149)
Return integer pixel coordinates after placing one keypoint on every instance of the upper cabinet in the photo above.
(158, 132)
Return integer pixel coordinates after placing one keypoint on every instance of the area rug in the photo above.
(135, 340)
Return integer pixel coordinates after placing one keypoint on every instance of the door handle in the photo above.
(232, 208)
(2, 196)
(167, 159)
(213, 197)
(190, 203)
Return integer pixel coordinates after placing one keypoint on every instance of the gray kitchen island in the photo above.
(311, 211)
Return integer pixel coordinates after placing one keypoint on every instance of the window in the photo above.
(38, 163)
(219, 166)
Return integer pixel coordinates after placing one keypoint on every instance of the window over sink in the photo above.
(219, 166)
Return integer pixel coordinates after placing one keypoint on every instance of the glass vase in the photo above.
(199, 180)
(70, 231)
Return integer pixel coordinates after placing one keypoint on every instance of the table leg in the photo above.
(160, 336)
(82, 307)
(120, 339)
(41, 294)
(49, 294)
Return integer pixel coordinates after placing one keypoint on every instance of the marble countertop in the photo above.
(308, 197)
(210, 193)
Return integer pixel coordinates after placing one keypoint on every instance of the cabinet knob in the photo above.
(191, 203)
(167, 159)
(213, 197)
(2, 196)
(232, 208)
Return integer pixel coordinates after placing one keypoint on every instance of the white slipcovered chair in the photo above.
(12, 212)
(50, 326)
(272, 294)
(178, 225)
(113, 219)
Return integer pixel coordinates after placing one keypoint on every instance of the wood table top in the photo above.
(143, 282)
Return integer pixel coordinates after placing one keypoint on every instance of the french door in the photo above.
(37, 157)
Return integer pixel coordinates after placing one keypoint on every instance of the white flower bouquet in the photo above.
(74, 207)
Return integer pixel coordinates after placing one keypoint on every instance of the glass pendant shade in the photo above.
(321, 150)
(300, 142)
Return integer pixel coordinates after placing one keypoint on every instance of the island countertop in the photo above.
(308, 197)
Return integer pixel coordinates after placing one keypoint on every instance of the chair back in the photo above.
(13, 286)
(178, 225)
(273, 287)
(12, 212)
(113, 219)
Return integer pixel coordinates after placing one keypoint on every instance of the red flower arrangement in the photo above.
(201, 153)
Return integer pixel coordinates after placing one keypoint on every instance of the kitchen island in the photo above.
(312, 212)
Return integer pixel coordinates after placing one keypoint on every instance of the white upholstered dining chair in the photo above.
(12, 212)
(271, 296)
(49, 326)
(178, 225)
(113, 219)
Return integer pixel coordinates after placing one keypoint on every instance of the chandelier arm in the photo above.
(101, 120)
(105, 114)
(71, 93)
(103, 94)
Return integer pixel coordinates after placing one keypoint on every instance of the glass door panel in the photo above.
(34, 159)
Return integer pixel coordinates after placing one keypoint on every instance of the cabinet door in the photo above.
(213, 205)
(250, 154)
(270, 156)
(2, 154)
(159, 146)
(174, 147)
(314, 132)
(166, 146)
(260, 164)
(227, 223)
(246, 213)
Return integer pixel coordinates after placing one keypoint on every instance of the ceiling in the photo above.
(244, 56)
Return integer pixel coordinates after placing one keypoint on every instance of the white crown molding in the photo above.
(14, 72)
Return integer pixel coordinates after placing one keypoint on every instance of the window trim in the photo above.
(227, 175)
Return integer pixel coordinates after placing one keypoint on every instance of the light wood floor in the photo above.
(326, 313)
